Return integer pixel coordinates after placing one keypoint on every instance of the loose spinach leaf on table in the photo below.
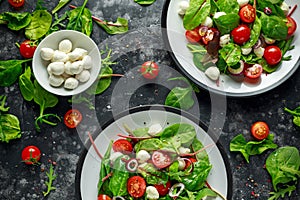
(9, 123)
(296, 114)
(60, 4)
(26, 85)
(144, 2)
(10, 70)
(250, 148)
(118, 27)
(15, 21)
(40, 24)
(80, 19)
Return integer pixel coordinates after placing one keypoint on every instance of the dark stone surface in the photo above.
(143, 42)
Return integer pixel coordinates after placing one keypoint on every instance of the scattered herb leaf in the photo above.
(51, 177)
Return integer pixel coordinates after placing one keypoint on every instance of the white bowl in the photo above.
(79, 40)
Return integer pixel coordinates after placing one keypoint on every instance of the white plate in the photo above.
(88, 168)
(177, 44)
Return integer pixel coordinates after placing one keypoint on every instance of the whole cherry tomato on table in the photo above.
(136, 186)
(260, 130)
(149, 70)
(241, 34)
(103, 197)
(31, 155)
(16, 3)
(247, 13)
(27, 48)
(72, 118)
(272, 54)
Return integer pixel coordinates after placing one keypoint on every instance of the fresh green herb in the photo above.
(15, 21)
(58, 22)
(231, 54)
(51, 177)
(250, 148)
(255, 33)
(10, 70)
(144, 2)
(196, 13)
(226, 23)
(118, 27)
(283, 165)
(199, 53)
(228, 6)
(80, 19)
(9, 124)
(296, 114)
(26, 85)
(105, 170)
(274, 5)
(60, 4)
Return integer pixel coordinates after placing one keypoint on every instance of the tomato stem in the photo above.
(292, 11)
(94, 146)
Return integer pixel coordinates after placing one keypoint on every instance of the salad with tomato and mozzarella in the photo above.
(156, 163)
(241, 38)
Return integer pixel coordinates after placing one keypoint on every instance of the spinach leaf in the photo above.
(26, 85)
(80, 19)
(199, 53)
(144, 2)
(10, 70)
(296, 114)
(228, 6)
(273, 27)
(275, 7)
(118, 181)
(60, 4)
(118, 27)
(226, 23)
(9, 123)
(247, 149)
(151, 144)
(105, 169)
(197, 145)
(152, 175)
(255, 33)
(206, 192)
(104, 82)
(231, 54)
(141, 132)
(180, 98)
(40, 24)
(15, 21)
(196, 13)
(283, 166)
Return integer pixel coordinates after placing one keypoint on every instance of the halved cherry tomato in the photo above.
(123, 146)
(103, 197)
(188, 163)
(247, 13)
(292, 26)
(260, 130)
(193, 36)
(31, 155)
(136, 186)
(27, 48)
(241, 34)
(16, 3)
(272, 54)
(254, 71)
(161, 159)
(72, 118)
(163, 189)
(149, 70)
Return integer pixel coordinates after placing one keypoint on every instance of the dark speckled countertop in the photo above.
(63, 146)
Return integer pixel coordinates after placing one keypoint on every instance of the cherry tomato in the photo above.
(16, 3)
(162, 189)
(136, 186)
(260, 130)
(241, 34)
(161, 159)
(247, 13)
(31, 155)
(27, 48)
(123, 146)
(193, 36)
(103, 197)
(292, 26)
(72, 118)
(272, 55)
(149, 70)
(188, 163)
(254, 71)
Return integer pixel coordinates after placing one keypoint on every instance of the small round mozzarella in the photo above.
(47, 53)
(71, 83)
(76, 67)
(65, 46)
(59, 56)
(56, 81)
(83, 76)
(87, 62)
(56, 68)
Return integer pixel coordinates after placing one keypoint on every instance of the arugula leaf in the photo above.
(15, 21)
(296, 114)
(60, 4)
(51, 177)
(282, 192)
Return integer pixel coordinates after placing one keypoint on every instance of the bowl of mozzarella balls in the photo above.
(66, 62)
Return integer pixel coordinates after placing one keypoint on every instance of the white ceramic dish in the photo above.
(79, 40)
(177, 44)
(89, 163)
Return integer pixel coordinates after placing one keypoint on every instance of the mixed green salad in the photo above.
(242, 38)
(156, 163)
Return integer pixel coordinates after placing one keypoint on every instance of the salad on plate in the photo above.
(240, 38)
(156, 163)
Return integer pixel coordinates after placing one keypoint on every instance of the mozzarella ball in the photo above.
(77, 54)
(285, 7)
(143, 156)
(56, 81)
(56, 68)
(207, 22)
(259, 52)
(183, 150)
(59, 56)
(246, 51)
(152, 193)
(154, 129)
(213, 73)
(87, 62)
(224, 40)
(242, 2)
(65, 46)
(183, 6)
(71, 83)
(83, 76)
(114, 156)
(76, 67)
(68, 65)
(181, 163)
(47, 53)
